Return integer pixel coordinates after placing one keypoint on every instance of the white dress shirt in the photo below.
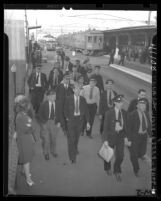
(65, 86)
(117, 115)
(75, 98)
(39, 80)
(96, 95)
(50, 104)
(140, 117)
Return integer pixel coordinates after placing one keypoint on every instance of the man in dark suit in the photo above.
(99, 79)
(139, 128)
(112, 53)
(37, 85)
(55, 78)
(114, 132)
(68, 65)
(106, 101)
(49, 121)
(133, 103)
(63, 91)
(75, 110)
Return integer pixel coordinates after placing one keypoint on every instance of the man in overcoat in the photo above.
(106, 101)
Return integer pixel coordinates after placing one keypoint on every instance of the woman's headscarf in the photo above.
(21, 103)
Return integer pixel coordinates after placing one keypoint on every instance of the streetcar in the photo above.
(98, 43)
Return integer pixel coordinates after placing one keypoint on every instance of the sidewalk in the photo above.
(140, 75)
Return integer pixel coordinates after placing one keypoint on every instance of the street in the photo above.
(87, 177)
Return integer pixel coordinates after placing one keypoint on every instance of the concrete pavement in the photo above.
(86, 177)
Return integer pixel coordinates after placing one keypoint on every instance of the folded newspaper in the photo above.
(106, 152)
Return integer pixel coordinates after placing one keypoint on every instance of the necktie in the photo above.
(37, 79)
(52, 111)
(74, 77)
(110, 100)
(91, 93)
(119, 118)
(77, 106)
(143, 123)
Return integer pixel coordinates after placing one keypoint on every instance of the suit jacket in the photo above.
(43, 113)
(32, 81)
(134, 124)
(62, 93)
(109, 133)
(70, 67)
(103, 106)
(99, 83)
(51, 77)
(82, 70)
(76, 76)
(133, 103)
(70, 106)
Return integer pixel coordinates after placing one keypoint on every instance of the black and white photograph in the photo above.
(81, 107)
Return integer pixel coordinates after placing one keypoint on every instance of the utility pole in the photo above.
(149, 16)
(27, 39)
(27, 52)
(36, 29)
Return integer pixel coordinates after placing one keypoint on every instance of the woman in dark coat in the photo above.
(25, 139)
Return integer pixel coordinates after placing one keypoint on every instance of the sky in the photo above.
(64, 21)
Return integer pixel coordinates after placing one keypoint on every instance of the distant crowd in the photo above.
(142, 54)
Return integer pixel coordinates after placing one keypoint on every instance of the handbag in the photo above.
(106, 152)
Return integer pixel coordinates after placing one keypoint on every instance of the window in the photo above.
(100, 40)
(89, 39)
(95, 39)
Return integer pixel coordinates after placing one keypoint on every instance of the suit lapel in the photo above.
(81, 105)
(47, 108)
(72, 104)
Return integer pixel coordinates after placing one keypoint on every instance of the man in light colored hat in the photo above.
(38, 85)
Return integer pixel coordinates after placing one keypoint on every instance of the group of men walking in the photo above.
(74, 95)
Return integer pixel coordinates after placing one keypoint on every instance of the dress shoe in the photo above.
(55, 155)
(73, 161)
(30, 183)
(47, 157)
(109, 172)
(137, 174)
(82, 133)
(118, 177)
